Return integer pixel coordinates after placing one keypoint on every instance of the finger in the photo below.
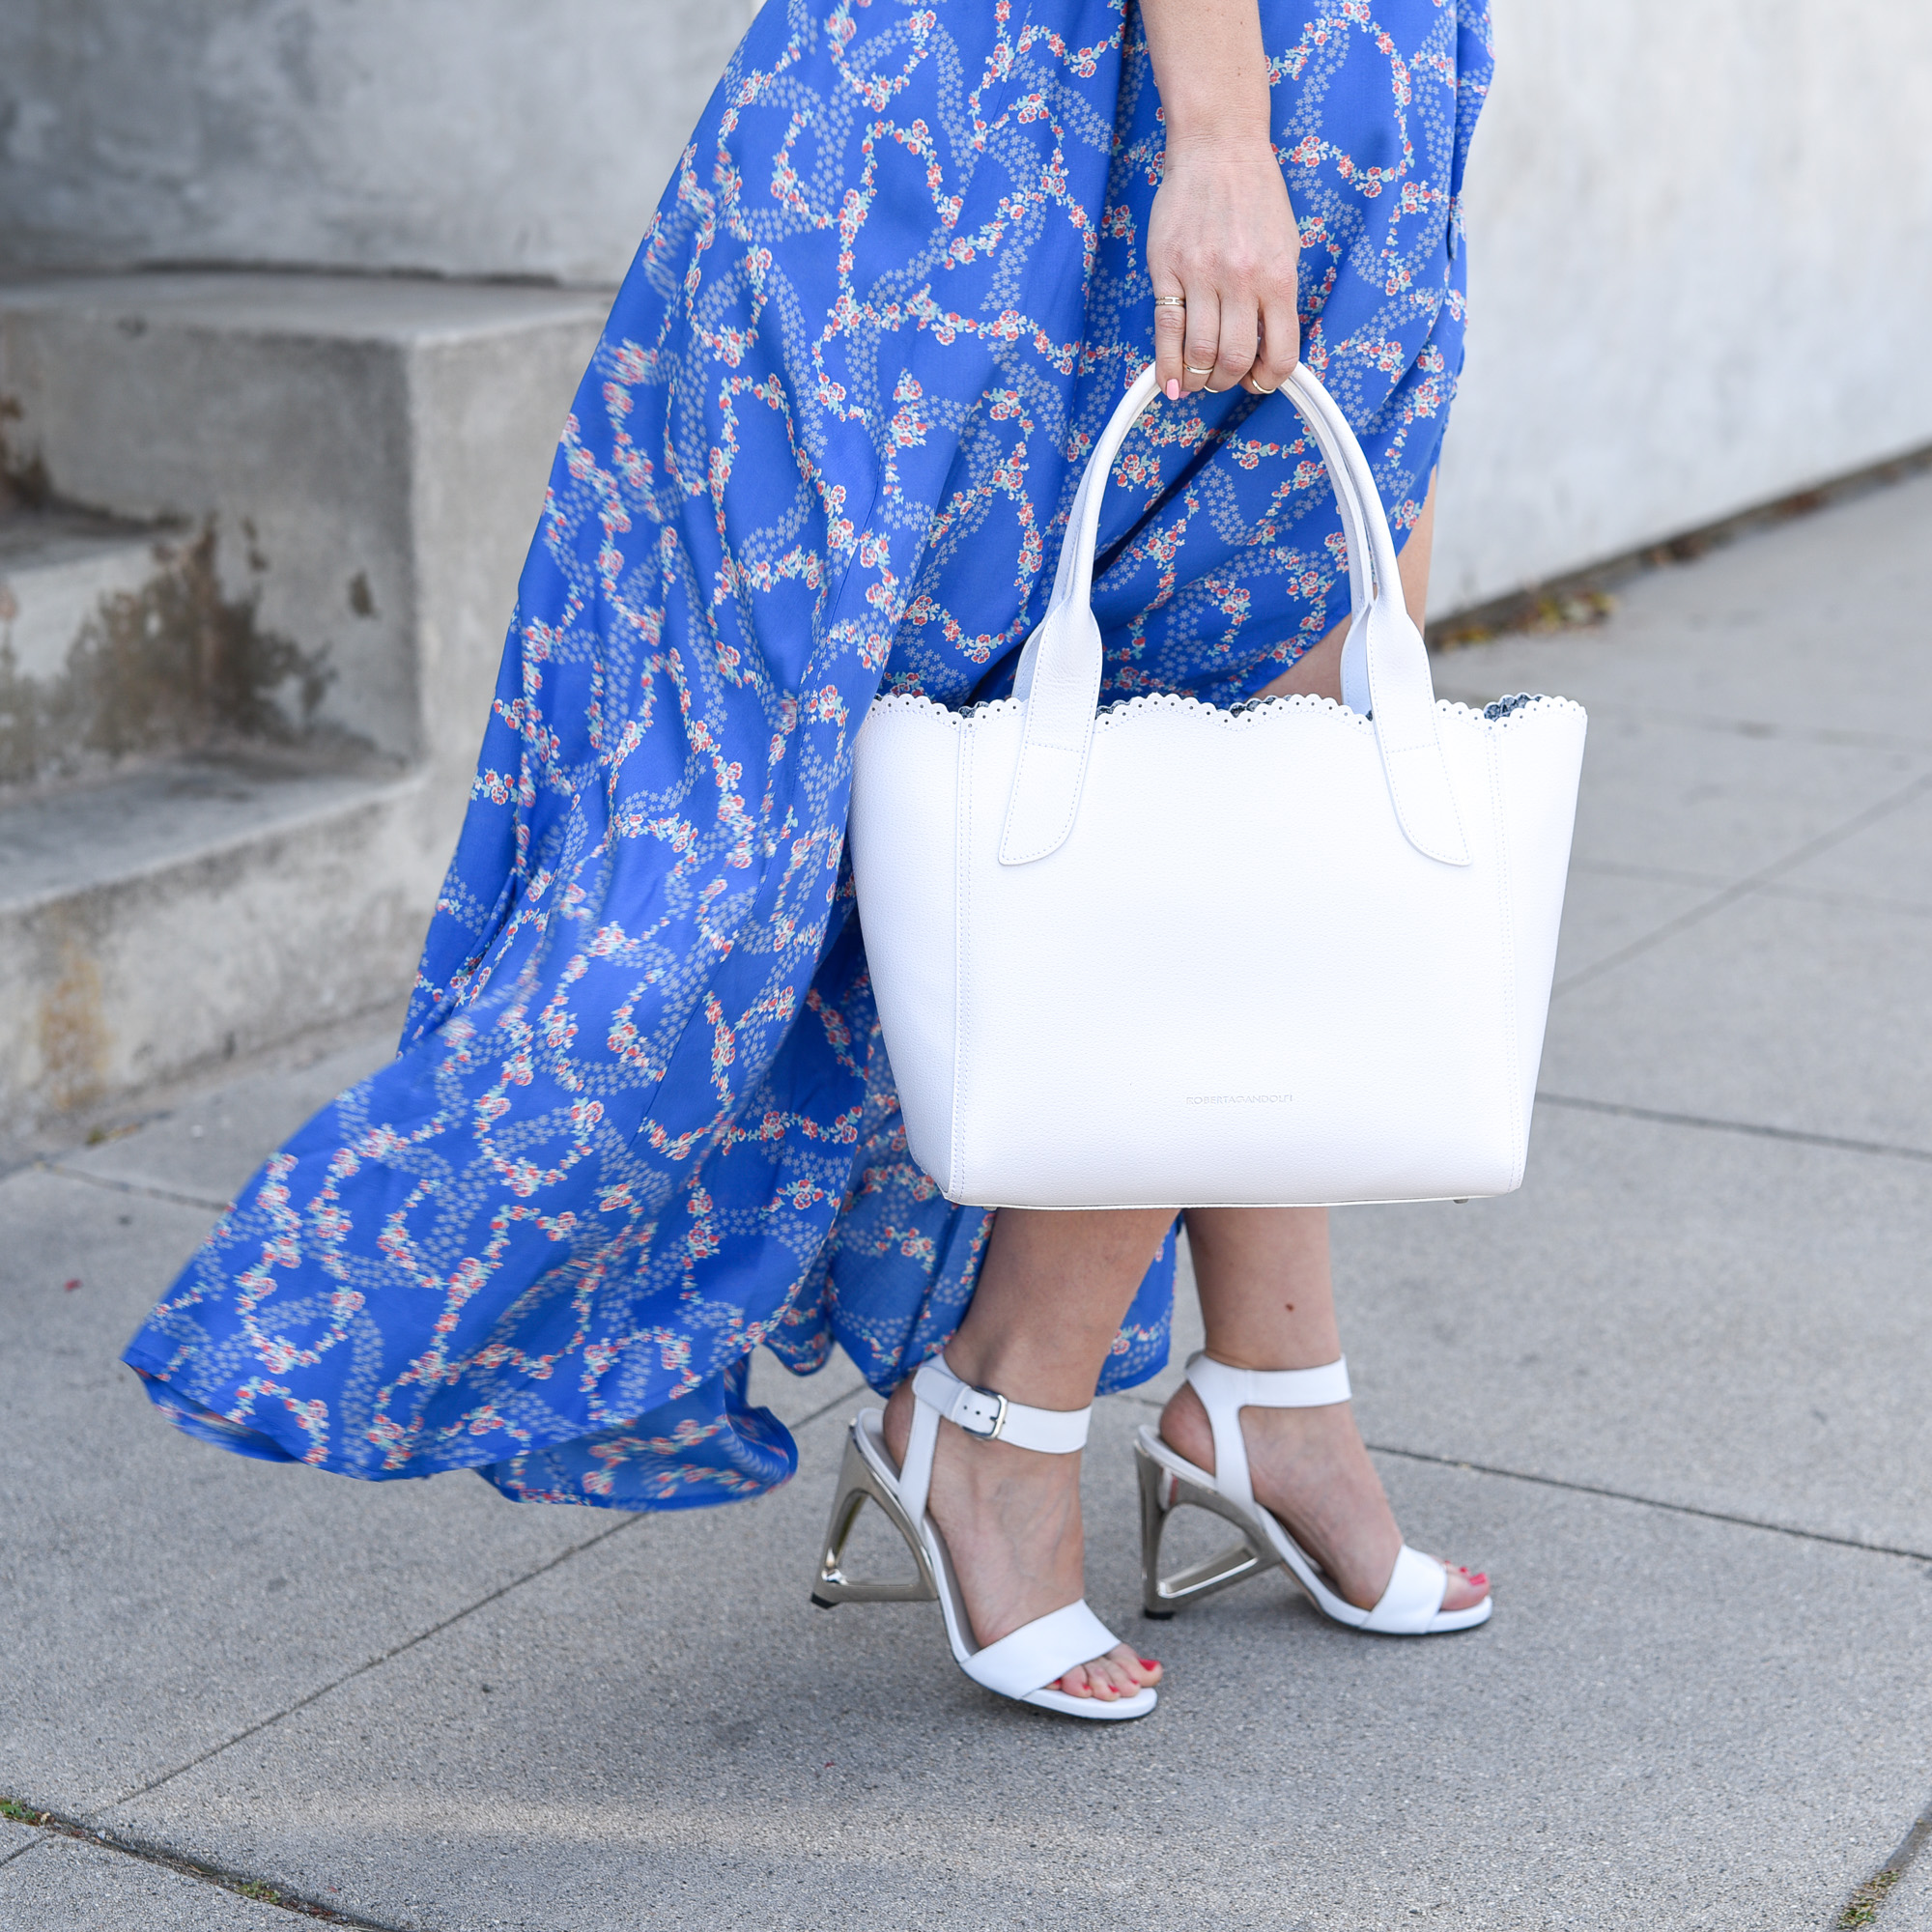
(1170, 328)
(1240, 333)
(1202, 344)
(1280, 346)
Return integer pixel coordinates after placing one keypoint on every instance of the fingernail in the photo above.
(1172, 389)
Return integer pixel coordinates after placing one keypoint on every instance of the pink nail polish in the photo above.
(1173, 391)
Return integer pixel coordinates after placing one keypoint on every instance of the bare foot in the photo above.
(1012, 1522)
(1308, 1466)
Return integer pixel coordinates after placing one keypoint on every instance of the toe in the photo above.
(1107, 1679)
(1102, 1679)
(1467, 1588)
(1117, 1675)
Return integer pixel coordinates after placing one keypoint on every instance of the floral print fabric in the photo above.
(642, 1120)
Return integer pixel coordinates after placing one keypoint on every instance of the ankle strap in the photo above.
(1057, 1431)
(1225, 1392)
(1268, 1388)
(938, 1394)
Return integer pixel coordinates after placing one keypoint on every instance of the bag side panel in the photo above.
(1540, 761)
(901, 834)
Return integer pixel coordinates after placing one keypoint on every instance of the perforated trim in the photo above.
(1236, 717)
(913, 701)
(1500, 714)
(1523, 704)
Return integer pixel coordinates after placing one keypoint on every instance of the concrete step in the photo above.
(174, 917)
(364, 458)
(111, 645)
(259, 537)
(57, 568)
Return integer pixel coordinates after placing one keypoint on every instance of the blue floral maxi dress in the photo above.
(642, 1120)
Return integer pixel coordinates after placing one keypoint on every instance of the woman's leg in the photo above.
(1267, 1303)
(1051, 1295)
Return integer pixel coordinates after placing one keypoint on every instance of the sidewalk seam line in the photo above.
(363, 1668)
(80, 1828)
(142, 1188)
(1745, 887)
(283, 1899)
(1624, 1496)
(1709, 882)
(1891, 1149)
(1654, 1502)
(1871, 1897)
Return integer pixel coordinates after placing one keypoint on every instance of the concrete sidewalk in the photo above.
(1676, 1396)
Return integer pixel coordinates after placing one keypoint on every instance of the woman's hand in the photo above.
(1222, 235)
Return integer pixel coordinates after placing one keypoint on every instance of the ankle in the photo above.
(1268, 1356)
(997, 1364)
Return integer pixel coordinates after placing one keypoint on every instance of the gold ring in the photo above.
(1193, 371)
(1260, 391)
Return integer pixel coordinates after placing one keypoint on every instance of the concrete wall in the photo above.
(469, 137)
(1701, 233)
(1701, 272)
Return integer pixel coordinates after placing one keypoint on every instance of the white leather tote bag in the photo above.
(1168, 955)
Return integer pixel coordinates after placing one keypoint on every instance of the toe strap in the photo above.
(1415, 1590)
(1041, 1651)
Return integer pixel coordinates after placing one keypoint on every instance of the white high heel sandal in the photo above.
(1025, 1664)
(1411, 1605)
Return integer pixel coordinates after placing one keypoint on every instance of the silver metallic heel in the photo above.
(1411, 1602)
(1025, 1664)
(859, 1484)
(1162, 1493)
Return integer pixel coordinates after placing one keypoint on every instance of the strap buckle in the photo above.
(980, 1412)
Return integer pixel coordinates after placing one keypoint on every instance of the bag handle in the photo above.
(1384, 662)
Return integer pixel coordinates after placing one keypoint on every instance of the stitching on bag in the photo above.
(1455, 810)
(1518, 1136)
(1434, 742)
(1391, 768)
(1022, 853)
(1023, 848)
(1074, 796)
(1038, 849)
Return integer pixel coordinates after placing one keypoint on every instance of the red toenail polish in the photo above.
(1149, 1664)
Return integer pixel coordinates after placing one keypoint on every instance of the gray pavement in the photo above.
(81, 1888)
(1673, 1395)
